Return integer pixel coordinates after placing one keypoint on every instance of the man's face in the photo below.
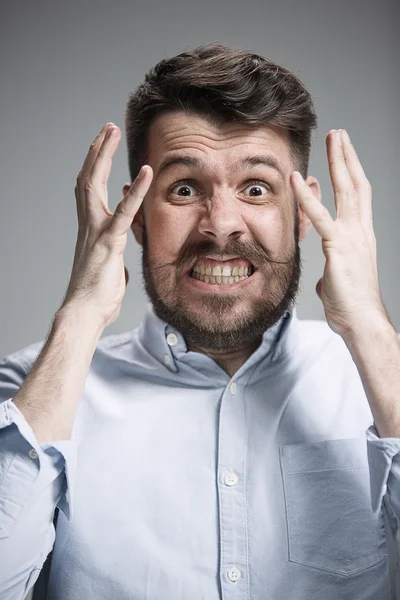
(219, 229)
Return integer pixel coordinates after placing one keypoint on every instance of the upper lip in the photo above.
(223, 258)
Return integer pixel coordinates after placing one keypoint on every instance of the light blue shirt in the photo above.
(182, 483)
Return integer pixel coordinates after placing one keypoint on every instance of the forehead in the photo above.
(179, 133)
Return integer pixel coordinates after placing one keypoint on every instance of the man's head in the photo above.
(222, 130)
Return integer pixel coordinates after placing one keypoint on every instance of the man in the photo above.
(224, 449)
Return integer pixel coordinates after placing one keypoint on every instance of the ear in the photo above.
(137, 223)
(305, 222)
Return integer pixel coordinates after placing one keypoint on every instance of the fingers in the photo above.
(95, 186)
(359, 180)
(347, 175)
(91, 189)
(130, 203)
(353, 164)
(84, 172)
(344, 193)
(315, 211)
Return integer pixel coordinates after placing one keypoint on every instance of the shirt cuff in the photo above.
(21, 460)
(384, 468)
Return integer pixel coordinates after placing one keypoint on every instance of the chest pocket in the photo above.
(330, 522)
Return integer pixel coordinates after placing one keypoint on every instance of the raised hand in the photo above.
(349, 287)
(98, 279)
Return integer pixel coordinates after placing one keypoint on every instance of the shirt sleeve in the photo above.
(384, 467)
(22, 459)
(34, 479)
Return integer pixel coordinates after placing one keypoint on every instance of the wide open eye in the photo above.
(257, 189)
(183, 189)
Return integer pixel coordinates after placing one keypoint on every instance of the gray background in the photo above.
(68, 68)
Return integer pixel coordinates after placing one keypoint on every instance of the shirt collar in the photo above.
(168, 346)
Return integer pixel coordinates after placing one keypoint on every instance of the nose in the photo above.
(222, 219)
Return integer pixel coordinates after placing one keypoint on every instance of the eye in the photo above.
(183, 189)
(257, 188)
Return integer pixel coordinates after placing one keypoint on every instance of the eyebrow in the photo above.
(248, 161)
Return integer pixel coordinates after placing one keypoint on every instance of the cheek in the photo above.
(273, 230)
(168, 230)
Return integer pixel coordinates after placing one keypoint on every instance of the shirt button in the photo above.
(33, 454)
(167, 359)
(172, 340)
(233, 388)
(233, 574)
(231, 479)
(384, 489)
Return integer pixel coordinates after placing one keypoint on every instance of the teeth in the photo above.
(217, 270)
(221, 274)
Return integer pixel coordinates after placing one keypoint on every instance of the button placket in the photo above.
(232, 500)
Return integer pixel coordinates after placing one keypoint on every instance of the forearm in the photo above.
(50, 395)
(376, 352)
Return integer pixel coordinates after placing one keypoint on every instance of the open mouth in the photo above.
(222, 275)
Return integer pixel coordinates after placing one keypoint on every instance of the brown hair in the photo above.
(224, 85)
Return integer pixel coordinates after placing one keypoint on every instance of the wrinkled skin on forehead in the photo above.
(220, 208)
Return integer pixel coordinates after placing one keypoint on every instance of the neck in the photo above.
(230, 361)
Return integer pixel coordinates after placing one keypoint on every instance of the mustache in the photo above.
(248, 250)
(251, 250)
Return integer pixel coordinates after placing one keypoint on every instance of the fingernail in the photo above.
(106, 127)
(346, 135)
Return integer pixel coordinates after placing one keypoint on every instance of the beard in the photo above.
(215, 327)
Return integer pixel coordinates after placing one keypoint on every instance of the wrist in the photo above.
(80, 319)
(371, 330)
